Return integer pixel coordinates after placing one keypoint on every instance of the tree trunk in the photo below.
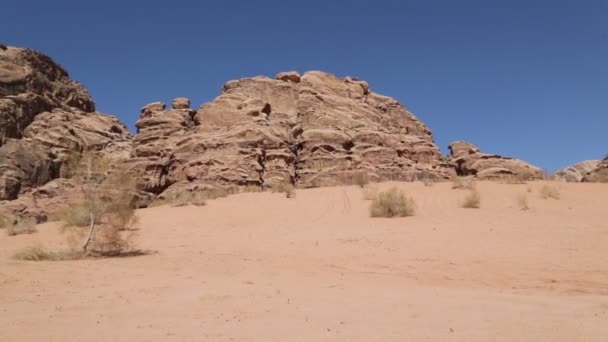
(89, 237)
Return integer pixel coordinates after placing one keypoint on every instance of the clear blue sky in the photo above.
(521, 78)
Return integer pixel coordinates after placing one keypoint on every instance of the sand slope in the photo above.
(259, 267)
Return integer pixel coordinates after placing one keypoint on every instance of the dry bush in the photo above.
(548, 191)
(251, 188)
(107, 208)
(3, 222)
(361, 179)
(370, 192)
(284, 187)
(216, 193)
(472, 200)
(522, 202)
(180, 199)
(392, 203)
(199, 199)
(41, 254)
(427, 181)
(460, 182)
(75, 215)
(529, 188)
(23, 226)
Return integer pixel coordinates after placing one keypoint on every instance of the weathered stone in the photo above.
(313, 130)
(599, 174)
(468, 160)
(45, 116)
(289, 76)
(576, 173)
(180, 103)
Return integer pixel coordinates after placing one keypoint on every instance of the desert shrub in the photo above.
(23, 226)
(392, 203)
(75, 215)
(180, 199)
(198, 199)
(460, 182)
(361, 179)
(522, 202)
(472, 200)
(216, 193)
(251, 188)
(284, 187)
(3, 222)
(41, 254)
(427, 181)
(107, 207)
(548, 191)
(370, 192)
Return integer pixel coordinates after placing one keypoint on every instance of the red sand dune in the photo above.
(260, 267)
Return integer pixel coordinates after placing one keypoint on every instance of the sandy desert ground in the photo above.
(260, 267)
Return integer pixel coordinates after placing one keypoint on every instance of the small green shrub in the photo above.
(472, 200)
(392, 203)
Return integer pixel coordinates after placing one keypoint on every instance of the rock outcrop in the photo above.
(599, 174)
(313, 130)
(468, 160)
(44, 116)
(577, 172)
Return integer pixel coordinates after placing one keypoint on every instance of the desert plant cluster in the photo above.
(392, 203)
(284, 187)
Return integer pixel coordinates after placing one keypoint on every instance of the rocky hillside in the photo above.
(44, 115)
(312, 130)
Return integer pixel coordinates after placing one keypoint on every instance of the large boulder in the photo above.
(577, 172)
(599, 174)
(313, 130)
(468, 160)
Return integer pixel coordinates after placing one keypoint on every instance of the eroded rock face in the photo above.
(599, 174)
(44, 116)
(576, 173)
(313, 130)
(468, 160)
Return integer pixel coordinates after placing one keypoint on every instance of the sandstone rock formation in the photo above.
(43, 116)
(313, 130)
(468, 160)
(599, 174)
(577, 172)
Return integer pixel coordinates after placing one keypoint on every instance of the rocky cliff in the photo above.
(314, 129)
(44, 115)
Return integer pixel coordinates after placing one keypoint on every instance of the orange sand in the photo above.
(260, 267)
